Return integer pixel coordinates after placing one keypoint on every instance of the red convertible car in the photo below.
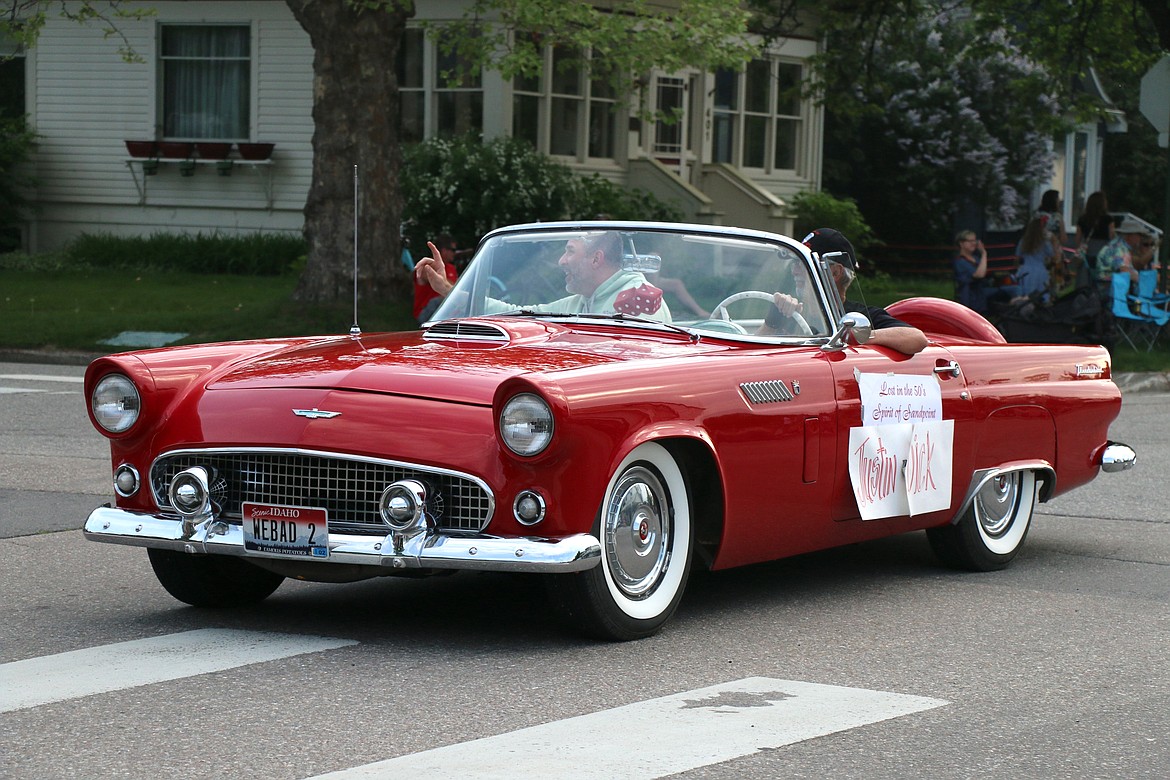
(599, 403)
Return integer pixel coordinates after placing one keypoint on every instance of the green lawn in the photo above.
(76, 310)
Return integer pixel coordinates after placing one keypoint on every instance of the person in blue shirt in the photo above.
(1036, 251)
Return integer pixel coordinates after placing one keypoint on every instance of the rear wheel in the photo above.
(647, 536)
(212, 580)
(992, 530)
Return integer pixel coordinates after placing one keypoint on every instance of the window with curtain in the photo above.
(206, 75)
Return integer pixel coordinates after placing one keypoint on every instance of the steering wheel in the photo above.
(720, 311)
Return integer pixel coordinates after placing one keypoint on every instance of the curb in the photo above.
(1146, 382)
(52, 357)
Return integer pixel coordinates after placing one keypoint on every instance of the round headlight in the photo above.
(115, 403)
(526, 424)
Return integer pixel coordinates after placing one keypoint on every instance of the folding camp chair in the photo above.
(1148, 289)
(1145, 324)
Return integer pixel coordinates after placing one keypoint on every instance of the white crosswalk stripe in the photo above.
(52, 678)
(640, 741)
(76, 380)
(658, 737)
(73, 380)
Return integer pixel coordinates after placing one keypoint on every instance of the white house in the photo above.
(241, 72)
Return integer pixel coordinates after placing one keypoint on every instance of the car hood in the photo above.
(461, 364)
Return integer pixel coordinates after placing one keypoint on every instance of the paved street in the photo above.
(865, 662)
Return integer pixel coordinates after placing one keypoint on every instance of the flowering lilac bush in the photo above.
(951, 118)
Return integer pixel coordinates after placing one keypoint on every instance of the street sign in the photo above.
(1155, 96)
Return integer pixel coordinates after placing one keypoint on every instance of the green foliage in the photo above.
(594, 196)
(950, 116)
(256, 254)
(820, 209)
(16, 143)
(629, 36)
(23, 20)
(465, 188)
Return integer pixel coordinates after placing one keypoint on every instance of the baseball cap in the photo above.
(826, 241)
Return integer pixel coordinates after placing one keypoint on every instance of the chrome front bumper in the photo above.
(419, 549)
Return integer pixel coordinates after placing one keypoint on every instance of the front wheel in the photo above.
(212, 580)
(992, 530)
(647, 536)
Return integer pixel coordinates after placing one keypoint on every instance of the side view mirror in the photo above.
(852, 327)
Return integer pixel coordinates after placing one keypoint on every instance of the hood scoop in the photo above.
(463, 330)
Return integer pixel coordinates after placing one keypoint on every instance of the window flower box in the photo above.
(255, 151)
(213, 151)
(142, 148)
(176, 150)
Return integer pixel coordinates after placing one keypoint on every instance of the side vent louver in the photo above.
(768, 392)
(469, 331)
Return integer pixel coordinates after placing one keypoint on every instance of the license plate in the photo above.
(295, 531)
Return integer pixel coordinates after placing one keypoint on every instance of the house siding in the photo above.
(86, 101)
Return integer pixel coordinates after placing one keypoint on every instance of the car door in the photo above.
(934, 362)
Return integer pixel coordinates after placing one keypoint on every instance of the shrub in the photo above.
(464, 187)
(597, 197)
(255, 254)
(814, 210)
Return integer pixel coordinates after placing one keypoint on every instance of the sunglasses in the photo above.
(1147, 243)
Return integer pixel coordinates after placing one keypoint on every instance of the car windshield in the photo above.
(698, 278)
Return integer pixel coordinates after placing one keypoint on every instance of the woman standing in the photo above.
(1036, 250)
(1051, 212)
(1094, 229)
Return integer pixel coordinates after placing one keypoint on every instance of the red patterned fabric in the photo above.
(646, 299)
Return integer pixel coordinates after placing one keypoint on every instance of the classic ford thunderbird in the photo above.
(603, 404)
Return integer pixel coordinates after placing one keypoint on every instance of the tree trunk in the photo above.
(355, 122)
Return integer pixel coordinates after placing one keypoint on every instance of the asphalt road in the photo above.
(1054, 668)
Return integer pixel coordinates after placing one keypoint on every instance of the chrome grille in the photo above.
(470, 331)
(347, 488)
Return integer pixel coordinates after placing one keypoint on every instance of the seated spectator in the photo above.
(970, 267)
(1117, 256)
(1036, 249)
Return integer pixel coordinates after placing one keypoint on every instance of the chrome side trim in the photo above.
(424, 551)
(769, 391)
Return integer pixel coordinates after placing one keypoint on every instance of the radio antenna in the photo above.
(355, 331)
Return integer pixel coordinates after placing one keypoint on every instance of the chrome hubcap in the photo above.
(997, 502)
(637, 532)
